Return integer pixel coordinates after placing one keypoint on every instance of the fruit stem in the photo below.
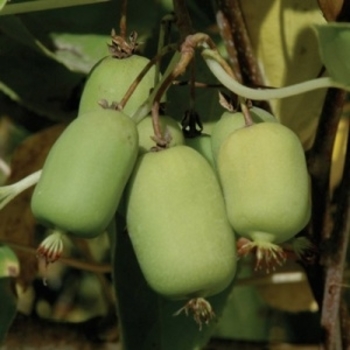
(9, 192)
(134, 84)
(165, 26)
(71, 262)
(214, 62)
(158, 136)
(246, 113)
(122, 22)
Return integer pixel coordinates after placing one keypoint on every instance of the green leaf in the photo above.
(2, 4)
(244, 317)
(39, 5)
(8, 307)
(147, 320)
(40, 84)
(334, 46)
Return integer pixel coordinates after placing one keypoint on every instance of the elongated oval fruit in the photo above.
(178, 226)
(110, 79)
(85, 173)
(202, 144)
(231, 121)
(262, 169)
(170, 128)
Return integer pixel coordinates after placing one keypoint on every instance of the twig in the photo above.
(335, 259)
(140, 76)
(319, 163)
(84, 247)
(122, 23)
(183, 20)
(226, 34)
(78, 264)
(248, 64)
(345, 323)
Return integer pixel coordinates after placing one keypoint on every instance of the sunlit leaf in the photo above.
(40, 5)
(2, 4)
(287, 51)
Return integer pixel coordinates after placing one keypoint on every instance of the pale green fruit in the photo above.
(202, 144)
(178, 226)
(85, 173)
(170, 129)
(231, 121)
(263, 173)
(110, 79)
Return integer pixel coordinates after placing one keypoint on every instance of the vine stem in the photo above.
(213, 61)
(122, 23)
(78, 264)
(134, 84)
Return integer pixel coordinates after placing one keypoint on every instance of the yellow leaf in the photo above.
(287, 51)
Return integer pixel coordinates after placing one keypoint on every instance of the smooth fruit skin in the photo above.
(110, 79)
(231, 121)
(178, 226)
(264, 177)
(169, 126)
(202, 144)
(85, 173)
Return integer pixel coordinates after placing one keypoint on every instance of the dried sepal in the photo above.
(267, 255)
(121, 48)
(200, 308)
(51, 248)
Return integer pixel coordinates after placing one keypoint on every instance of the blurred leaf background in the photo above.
(45, 57)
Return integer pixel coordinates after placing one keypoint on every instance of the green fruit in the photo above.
(109, 80)
(202, 144)
(263, 173)
(170, 129)
(231, 121)
(85, 173)
(178, 226)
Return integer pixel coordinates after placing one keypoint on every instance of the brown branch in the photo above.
(226, 34)
(249, 67)
(84, 247)
(77, 264)
(319, 163)
(183, 20)
(122, 22)
(331, 9)
(141, 75)
(239, 45)
(345, 323)
(335, 257)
